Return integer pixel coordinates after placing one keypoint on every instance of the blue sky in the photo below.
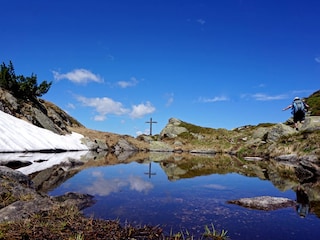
(115, 64)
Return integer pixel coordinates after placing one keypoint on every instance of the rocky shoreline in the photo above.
(270, 140)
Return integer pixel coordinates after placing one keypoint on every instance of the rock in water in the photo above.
(266, 203)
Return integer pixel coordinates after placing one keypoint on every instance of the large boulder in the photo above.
(122, 146)
(19, 199)
(172, 129)
(279, 130)
(14, 176)
(271, 134)
(311, 124)
(158, 146)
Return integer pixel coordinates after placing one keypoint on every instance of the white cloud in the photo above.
(140, 110)
(138, 133)
(80, 76)
(169, 98)
(124, 84)
(264, 97)
(216, 186)
(71, 106)
(145, 132)
(103, 106)
(201, 21)
(215, 99)
(317, 59)
(110, 57)
(99, 118)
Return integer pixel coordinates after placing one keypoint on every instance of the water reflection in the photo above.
(302, 202)
(192, 191)
(150, 173)
(102, 186)
(36, 162)
(186, 191)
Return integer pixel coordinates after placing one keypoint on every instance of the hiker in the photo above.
(299, 108)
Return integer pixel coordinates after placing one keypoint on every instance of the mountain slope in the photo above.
(38, 112)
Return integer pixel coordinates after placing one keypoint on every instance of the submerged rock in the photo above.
(266, 203)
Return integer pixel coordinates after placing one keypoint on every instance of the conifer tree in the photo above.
(21, 86)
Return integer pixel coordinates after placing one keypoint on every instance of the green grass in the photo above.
(314, 102)
(214, 234)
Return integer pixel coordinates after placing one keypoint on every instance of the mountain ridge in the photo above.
(245, 140)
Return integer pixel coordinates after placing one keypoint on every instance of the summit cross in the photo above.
(151, 122)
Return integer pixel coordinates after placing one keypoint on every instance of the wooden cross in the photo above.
(151, 125)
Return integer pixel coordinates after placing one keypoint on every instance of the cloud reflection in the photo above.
(216, 186)
(104, 187)
(137, 184)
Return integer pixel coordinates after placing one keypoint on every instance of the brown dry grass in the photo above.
(69, 223)
(110, 138)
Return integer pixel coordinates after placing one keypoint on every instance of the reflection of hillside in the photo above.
(53, 177)
(183, 166)
(282, 176)
(198, 165)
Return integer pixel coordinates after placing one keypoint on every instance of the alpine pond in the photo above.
(189, 192)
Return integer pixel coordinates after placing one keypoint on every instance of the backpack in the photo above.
(298, 105)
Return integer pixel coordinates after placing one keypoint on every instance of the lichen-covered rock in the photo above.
(19, 200)
(95, 145)
(172, 129)
(158, 146)
(13, 176)
(287, 158)
(279, 130)
(123, 145)
(311, 124)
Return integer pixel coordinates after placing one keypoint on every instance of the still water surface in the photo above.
(142, 194)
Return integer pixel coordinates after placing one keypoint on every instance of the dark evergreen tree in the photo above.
(8, 78)
(21, 86)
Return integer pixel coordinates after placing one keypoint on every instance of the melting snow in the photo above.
(19, 136)
(19, 139)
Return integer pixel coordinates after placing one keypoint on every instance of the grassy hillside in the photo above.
(314, 102)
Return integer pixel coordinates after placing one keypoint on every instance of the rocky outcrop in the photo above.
(172, 129)
(277, 131)
(19, 199)
(95, 145)
(38, 112)
(270, 134)
(158, 146)
(311, 124)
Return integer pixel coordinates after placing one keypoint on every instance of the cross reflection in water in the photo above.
(150, 173)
